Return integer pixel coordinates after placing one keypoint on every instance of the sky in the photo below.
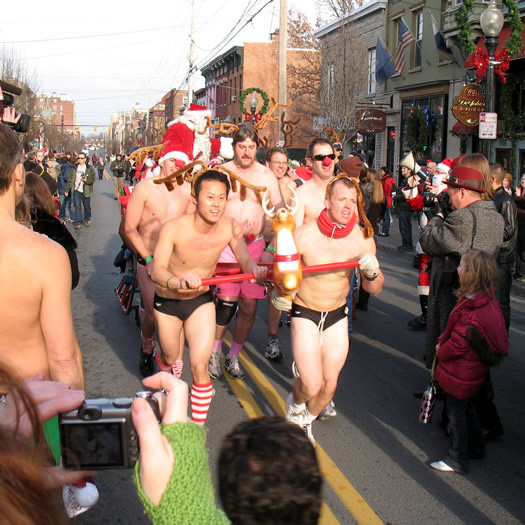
(108, 56)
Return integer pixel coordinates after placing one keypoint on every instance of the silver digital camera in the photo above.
(99, 435)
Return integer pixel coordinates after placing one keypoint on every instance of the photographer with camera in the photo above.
(80, 185)
(118, 168)
(473, 223)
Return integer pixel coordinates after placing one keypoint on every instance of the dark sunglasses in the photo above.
(322, 157)
(81, 158)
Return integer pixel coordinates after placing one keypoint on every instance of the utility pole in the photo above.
(283, 41)
(192, 53)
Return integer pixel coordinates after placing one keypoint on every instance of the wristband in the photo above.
(168, 282)
(148, 259)
(270, 249)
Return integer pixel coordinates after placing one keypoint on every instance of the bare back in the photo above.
(36, 326)
(249, 213)
(326, 291)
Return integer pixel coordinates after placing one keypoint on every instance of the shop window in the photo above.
(371, 71)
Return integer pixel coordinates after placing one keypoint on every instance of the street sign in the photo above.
(488, 125)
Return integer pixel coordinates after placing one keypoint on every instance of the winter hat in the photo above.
(468, 178)
(351, 166)
(444, 165)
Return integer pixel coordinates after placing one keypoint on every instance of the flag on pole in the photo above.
(384, 66)
(404, 39)
(444, 51)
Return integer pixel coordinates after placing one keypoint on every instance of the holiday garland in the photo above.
(513, 44)
(264, 96)
(418, 130)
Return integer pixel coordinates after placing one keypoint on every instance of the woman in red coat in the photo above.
(474, 339)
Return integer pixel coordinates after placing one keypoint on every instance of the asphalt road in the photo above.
(374, 454)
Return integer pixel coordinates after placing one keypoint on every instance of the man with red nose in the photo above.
(150, 206)
(320, 156)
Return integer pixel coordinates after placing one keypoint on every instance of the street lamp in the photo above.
(253, 105)
(491, 21)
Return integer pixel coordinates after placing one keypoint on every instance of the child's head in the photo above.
(478, 272)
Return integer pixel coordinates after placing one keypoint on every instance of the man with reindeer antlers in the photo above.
(319, 323)
(244, 205)
(187, 252)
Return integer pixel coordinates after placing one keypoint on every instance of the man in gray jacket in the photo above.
(474, 223)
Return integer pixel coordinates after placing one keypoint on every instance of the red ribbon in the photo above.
(480, 60)
(286, 258)
(249, 117)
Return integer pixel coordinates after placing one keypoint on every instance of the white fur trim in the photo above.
(179, 155)
(226, 150)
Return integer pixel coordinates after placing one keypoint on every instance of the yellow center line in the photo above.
(344, 490)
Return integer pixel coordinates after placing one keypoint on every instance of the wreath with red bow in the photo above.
(249, 117)
(480, 60)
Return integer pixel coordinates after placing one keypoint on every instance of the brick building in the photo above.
(256, 64)
(58, 110)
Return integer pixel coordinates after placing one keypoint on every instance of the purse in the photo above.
(429, 398)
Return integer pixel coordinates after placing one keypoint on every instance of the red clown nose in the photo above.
(327, 161)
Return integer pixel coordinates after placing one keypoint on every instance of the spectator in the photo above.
(410, 180)
(176, 490)
(53, 167)
(473, 340)
(81, 182)
(35, 164)
(474, 223)
(389, 186)
(519, 196)
(371, 184)
(100, 163)
(507, 184)
(65, 200)
(507, 255)
(43, 220)
(118, 169)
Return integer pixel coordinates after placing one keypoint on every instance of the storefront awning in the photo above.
(503, 37)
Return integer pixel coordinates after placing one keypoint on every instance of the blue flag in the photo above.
(384, 66)
(444, 51)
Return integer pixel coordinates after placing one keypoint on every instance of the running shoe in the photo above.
(295, 370)
(307, 427)
(273, 352)
(292, 415)
(146, 364)
(328, 412)
(214, 365)
(234, 367)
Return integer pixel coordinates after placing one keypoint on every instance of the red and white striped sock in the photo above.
(201, 396)
(176, 368)
(161, 365)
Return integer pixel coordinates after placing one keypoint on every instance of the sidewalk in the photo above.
(390, 244)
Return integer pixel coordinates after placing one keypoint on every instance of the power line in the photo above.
(92, 36)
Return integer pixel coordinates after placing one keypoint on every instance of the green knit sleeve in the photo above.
(189, 497)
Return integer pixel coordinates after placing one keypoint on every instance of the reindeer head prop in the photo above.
(287, 268)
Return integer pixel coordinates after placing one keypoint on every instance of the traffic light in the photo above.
(95, 129)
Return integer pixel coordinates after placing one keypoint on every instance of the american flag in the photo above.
(404, 39)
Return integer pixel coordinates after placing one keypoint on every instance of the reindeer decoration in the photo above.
(287, 267)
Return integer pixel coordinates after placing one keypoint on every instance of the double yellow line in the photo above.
(351, 499)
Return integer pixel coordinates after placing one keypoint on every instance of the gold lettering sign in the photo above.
(468, 105)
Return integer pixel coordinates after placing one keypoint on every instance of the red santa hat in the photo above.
(444, 165)
(176, 150)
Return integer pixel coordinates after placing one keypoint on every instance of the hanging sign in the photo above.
(468, 105)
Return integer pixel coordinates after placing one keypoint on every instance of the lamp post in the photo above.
(253, 106)
(491, 21)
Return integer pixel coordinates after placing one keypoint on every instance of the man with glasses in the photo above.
(320, 156)
(277, 161)
(80, 182)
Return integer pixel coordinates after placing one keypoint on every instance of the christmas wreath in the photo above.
(513, 44)
(418, 129)
(242, 101)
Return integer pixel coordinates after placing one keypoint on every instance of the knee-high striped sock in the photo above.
(162, 367)
(201, 396)
(176, 368)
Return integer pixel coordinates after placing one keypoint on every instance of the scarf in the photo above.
(332, 229)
